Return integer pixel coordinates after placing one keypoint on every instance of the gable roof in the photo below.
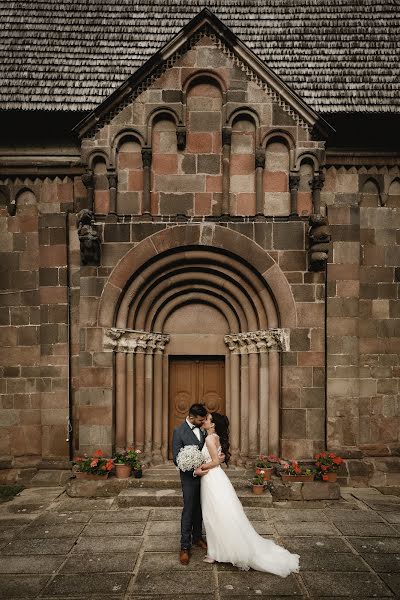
(207, 23)
(337, 55)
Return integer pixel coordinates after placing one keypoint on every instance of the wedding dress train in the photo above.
(230, 536)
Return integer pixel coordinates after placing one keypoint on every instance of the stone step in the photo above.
(50, 477)
(173, 497)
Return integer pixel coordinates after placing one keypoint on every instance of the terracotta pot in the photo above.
(91, 476)
(137, 473)
(267, 472)
(306, 477)
(332, 477)
(123, 471)
(258, 489)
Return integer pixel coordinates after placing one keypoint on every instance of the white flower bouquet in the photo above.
(189, 458)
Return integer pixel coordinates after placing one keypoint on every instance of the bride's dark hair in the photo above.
(221, 423)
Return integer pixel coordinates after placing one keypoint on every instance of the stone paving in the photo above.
(55, 547)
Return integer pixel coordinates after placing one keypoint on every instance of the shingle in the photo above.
(338, 55)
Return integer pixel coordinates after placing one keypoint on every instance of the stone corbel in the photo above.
(133, 342)
(88, 182)
(256, 342)
(294, 182)
(316, 184)
(319, 239)
(181, 137)
(112, 186)
(89, 239)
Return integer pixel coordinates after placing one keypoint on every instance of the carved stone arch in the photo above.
(393, 195)
(310, 158)
(125, 134)
(371, 190)
(247, 112)
(157, 114)
(204, 75)
(97, 155)
(18, 191)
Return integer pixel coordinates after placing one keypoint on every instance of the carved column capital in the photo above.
(260, 157)
(147, 156)
(317, 182)
(88, 180)
(294, 182)
(226, 136)
(131, 341)
(256, 342)
(112, 179)
(181, 137)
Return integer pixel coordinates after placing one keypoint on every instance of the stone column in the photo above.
(235, 406)
(165, 405)
(146, 158)
(317, 183)
(135, 381)
(253, 406)
(112, 186)
(260, 166)
(88, 182)
(273, 405)
(264, 400)
(294, 182)
(244, 406)
(226, 157)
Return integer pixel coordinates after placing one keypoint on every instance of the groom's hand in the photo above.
(199, 472)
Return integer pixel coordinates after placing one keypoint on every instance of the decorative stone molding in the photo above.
(226, 136)
(132, 341)
(294, 182)
(89, 239)
(260, 157)
(319, 239)
(181, 137)
(146, 157)
(256, 342)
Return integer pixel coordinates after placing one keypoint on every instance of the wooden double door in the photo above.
(191, 381)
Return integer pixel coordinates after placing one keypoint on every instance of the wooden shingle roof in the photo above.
(337, 55)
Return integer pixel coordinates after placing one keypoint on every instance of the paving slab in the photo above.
(111, 584)
(21, 586)
(176, 582)
(296, 516)
(45, 530)
(20, 506)
(320, 561)
(366, 529)
(354, 516)
(114, 529)
(160, 543)
(392, 517)
(38, 546)
(351, 585)
(383, 545)
(263, 528)
(307, 528)
(383, 563)
(189, 596)
(155, 562)
(393, 582)
(56, 518)
(107, 544)
(257, 514)
(30, 564)
(164, 528)
(98, 563)
(329, 544)
(233, 584)
(74, 504)
(7, 519)
(48, 493)
(121, 516)
(165, 514)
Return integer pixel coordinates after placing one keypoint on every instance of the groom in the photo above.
(189, 433)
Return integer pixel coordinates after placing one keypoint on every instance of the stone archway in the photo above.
(198, 266)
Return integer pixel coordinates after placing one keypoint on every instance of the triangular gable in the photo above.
(257, 70)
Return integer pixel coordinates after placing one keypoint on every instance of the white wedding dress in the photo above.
(230, 536)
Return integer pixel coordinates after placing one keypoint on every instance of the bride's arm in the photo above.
(212, 445)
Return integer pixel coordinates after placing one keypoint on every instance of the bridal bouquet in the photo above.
(189, 458)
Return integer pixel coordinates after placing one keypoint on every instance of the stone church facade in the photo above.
(206, 245)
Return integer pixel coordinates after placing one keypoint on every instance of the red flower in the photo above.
(324, 468)
(103, 468)
(78, 459)
(325, 477)
(94, 462)
(337, 460)
(98, 453)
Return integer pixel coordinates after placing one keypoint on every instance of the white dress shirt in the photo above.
(194, 428)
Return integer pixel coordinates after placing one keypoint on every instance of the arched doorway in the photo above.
(203, 304)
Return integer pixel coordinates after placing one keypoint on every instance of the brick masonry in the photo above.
(51, 352)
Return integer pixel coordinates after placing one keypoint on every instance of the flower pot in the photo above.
(258, 489)
(267, 473)
(137, 473)
(332, 477)
(123, 471)
(90, 476)
(306, 477)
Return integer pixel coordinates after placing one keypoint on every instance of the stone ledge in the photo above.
(300, 491)
(152, 497)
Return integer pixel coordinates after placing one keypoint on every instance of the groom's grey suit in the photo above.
(191, 522)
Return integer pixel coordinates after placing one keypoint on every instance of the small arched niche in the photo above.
(242, 166)
(164, 161)
(369, 193)
(130, 176)
(304, 195)
(393, 200)
(276, 177)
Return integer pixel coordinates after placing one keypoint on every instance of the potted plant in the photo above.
(289, 470)
(258, 484)
(307, 474)
(92, 467)
(264, 467)
(127, 461)
(327, 464)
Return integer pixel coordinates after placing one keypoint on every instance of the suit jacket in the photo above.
(184, 436)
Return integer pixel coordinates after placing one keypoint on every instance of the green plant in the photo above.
(7, 492)
(262, 462)
(327, 462)
(97, 464)
(258, 480)
(128, 457)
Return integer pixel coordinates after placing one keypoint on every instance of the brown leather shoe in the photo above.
(184, 556)
(201, 544)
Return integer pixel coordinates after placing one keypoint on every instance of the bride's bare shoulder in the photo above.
(212, 439)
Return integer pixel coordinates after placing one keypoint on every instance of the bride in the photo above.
(230, 536)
